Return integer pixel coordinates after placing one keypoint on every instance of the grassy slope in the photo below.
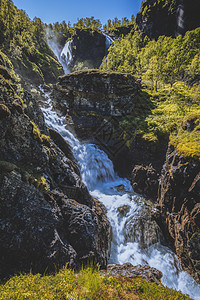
(87, 284)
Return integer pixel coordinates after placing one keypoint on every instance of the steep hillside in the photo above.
(23, 43)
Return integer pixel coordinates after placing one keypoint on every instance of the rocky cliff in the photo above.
(47, 217)
(179, 201)
(88, 49)
(169, 18)
(95, 102)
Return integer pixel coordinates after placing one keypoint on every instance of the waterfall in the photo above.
(114, 192)
(180, 18)
(64, 55)
(109, 42)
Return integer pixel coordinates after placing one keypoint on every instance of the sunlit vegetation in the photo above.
(116, 23)
(86, 284)
(169, 70)
(147, 8)
(23, 43)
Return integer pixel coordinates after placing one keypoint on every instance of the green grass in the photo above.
(86, 284)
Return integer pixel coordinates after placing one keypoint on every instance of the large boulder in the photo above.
(144, 181)
(142, 228)
(47, 216)
(127, 270)
(179, 201)
(94, 103)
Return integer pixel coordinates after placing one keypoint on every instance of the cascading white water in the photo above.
(99, 176)
(64, 55)
(180, 18)
(109, 42)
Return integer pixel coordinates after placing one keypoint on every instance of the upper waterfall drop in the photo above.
(66, 56)
(108, 43)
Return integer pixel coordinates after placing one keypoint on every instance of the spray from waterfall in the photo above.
(63, 54)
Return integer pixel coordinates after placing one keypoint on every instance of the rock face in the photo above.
(88, 49)
(179, 200)
(129, 271)
(106, 93)
(97, 101)
(169, 18)
(47, 217)
(144, 181)
(142, 228)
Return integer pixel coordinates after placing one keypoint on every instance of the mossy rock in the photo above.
(4, 112)
(4, 72)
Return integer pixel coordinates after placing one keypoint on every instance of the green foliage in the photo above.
(61, 32)
(24, 43)
(170, 71)
(147, 8)
(114, 24)
(166, 60)
(86, 284)
(123, 55)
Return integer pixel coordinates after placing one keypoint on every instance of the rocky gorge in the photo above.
(40, 166)
(91, 100)
(78, 188)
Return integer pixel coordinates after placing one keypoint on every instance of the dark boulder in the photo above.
(143, 228)
(61, 143)
(127, 270)
(97, 101)
(144, 181)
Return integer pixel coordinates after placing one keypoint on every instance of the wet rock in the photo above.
(4, 112)
(129, 271)
(179, 199)
(61, 143)
(144, 181)
(120, 188)
(123, 210)
(142, 228)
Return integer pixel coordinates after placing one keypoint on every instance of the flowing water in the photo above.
(64, 55)
(98, 174)
(109, 42)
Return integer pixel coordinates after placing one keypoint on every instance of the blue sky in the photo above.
(59, 10)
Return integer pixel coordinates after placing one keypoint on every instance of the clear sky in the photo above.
(58, 10)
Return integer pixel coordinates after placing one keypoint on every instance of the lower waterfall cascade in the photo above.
(98, 174)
